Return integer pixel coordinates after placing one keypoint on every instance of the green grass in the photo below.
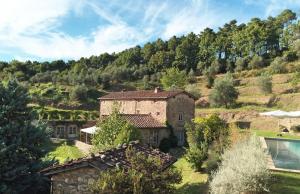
(273, 134)
(63, 152)
(285, 183)
(192, 182)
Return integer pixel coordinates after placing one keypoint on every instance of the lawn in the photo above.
(192, 182)
(61, 151)
(273, 134)
(285, 183)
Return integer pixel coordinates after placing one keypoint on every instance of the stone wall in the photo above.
(184, 105)
(157, 108)
(147, 136)
(289, 122)
(74, 181)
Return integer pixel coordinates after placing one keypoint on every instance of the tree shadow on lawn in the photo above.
(193, 188)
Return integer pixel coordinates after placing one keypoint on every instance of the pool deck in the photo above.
(270, 160)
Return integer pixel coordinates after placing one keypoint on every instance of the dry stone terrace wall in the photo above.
(257, 121)
(74, 181)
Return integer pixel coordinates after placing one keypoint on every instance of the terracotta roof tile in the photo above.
(110, 159)
(143, 121)
(142, 94)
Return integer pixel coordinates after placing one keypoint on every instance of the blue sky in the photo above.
(70, 29)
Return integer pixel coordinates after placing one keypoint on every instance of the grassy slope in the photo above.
(252, 98)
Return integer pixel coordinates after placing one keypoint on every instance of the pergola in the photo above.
(86, 133)
(282, 115)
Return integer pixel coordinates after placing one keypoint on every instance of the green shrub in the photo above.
(244, 169)
(265, 83)
(256, 62)
(202, 133)
(210, 75)
(191, 77)
(290, 56)
(115, 130)
(196, 155)
(240, 64)
(173, 79)
(296, 47)
(79, 93)
(223, 93)
(165, 145)
(145, 175)
(278, 66)
(193, 89)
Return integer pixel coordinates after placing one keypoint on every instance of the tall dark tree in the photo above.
(20, 142)
(186, 53)
(207, 49)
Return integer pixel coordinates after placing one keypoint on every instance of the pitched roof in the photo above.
(143, 94)
(143, 121)
(111, 158)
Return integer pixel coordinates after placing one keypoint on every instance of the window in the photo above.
(72, 129)
(60, 130)
(137, 111)
(154, 138)
(180, 116)
(180, 136)
(157, 113)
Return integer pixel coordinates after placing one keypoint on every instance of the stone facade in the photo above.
(75, 181)
(157, 108)
(180, 109)
(154, 136)
(176, 111)
(68, 129)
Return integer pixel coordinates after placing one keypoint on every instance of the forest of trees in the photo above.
(233, 47)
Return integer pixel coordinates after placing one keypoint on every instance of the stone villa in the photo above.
(150, 111)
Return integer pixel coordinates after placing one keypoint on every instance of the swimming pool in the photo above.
(285, 153)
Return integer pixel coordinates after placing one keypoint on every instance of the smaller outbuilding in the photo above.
(76, 175)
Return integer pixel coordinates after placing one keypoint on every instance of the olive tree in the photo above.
(223, 92)
(265, 83)
(244, 169)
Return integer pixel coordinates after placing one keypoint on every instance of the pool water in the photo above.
(285, 153)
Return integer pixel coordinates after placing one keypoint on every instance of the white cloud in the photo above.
(111, 38)
(31, 15)
(193, 18)
(34, 28)
(30, 27)
(276, 6)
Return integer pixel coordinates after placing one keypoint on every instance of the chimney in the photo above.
(157, 89)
